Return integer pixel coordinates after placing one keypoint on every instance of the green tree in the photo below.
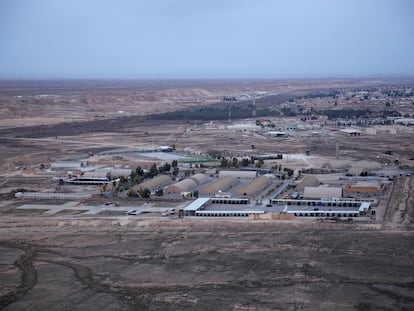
(144, 193)
(153, 170)
(139, 171)
(235, 162)
(224, 162)
(131, 193)
(244, 162)
(133, 176)
(167, 167)
(159, 192)
(174, 163)
(259, 163)
(175, 171)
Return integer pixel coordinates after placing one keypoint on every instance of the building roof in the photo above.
(103, 172)
(199, 178)
(366, 184)
(350, 131)
(307, 181)
(187, 184)
(228, 212)
(197, 204)
(255, 186)
(154, 183)
(182, 186)
(322, 192)
(223, 183)
(239, 174)
(364, 164)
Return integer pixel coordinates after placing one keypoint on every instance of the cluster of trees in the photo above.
(289, 112)
(234, 162)
(138, 175)
(155, 171)
(345, 113)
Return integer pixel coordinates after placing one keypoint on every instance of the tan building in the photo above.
(307, 181)
(322, 192)
(366, 187)
(154, 183)
(255, 187)
(239, 174)
(222, 184)
(187, 184)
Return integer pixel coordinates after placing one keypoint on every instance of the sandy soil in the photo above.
(200, 265)
(108, 262)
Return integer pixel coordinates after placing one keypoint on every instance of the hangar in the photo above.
(222, 184)
(307, 181)
(154, 183)
(256, 186)
(187, 184)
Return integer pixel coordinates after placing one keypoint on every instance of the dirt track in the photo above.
(197, 265)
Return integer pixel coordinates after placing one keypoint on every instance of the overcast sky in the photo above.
(205, 38)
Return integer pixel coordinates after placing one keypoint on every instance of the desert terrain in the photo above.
(113, 261)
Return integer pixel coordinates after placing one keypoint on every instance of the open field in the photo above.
(144, 264)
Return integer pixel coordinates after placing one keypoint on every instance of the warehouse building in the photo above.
(154, 183)
(187, 184)
(112, 172)
(321, 203)
(255, 187)
(68, 165)
(239, 174)
(195, 206)
(52, 196)
(322, 192)
(241, 213)
(366, 187)
(222, 184)
(307, 181)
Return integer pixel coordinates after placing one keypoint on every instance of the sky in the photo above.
(128, 39)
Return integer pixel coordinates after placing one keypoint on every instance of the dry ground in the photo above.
(120, 264)
(67, 262)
